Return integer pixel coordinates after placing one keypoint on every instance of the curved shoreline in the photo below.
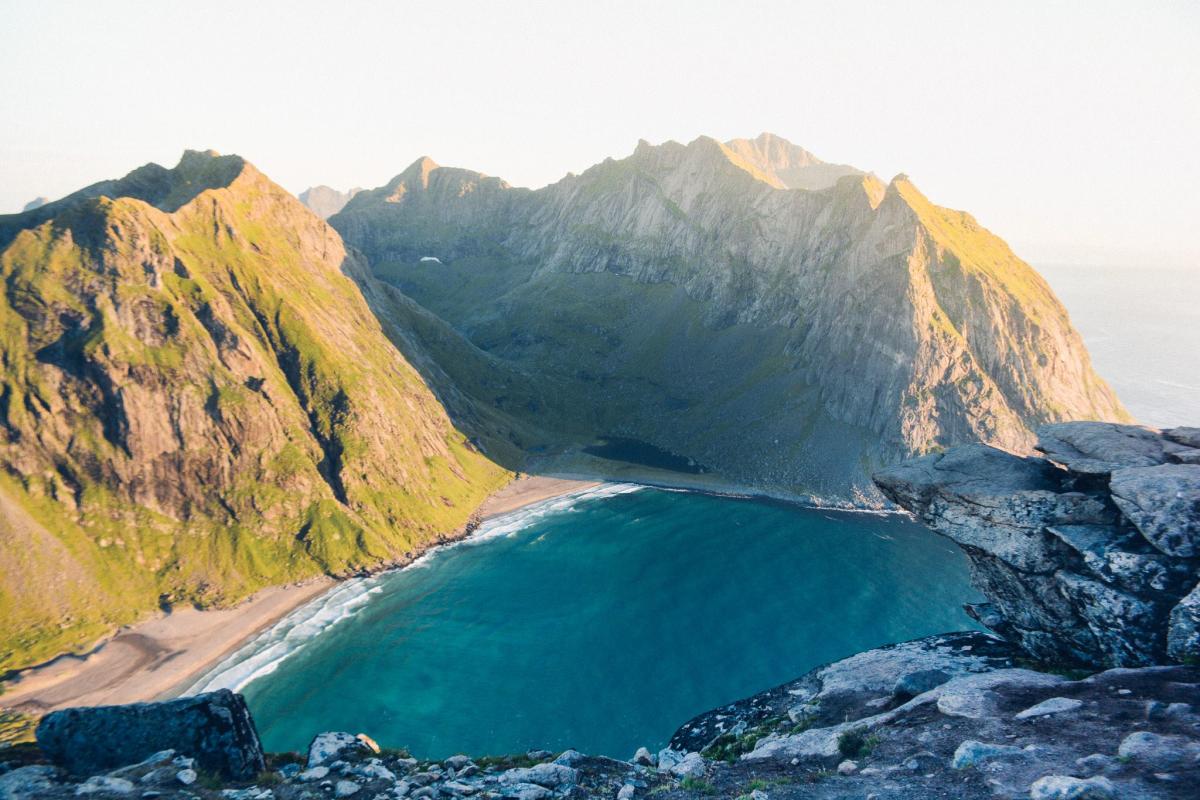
(162, 656)
(165, 655)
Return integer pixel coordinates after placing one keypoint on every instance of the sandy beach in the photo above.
(152, 658)
(531, 489)
(162, 656)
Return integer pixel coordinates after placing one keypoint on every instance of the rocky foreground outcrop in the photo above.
(948, 716)
(1088, 556)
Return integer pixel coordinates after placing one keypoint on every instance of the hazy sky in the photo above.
(1071, 129)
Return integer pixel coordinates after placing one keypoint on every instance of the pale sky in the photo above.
(1070, 129)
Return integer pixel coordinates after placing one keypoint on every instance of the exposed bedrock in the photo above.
(1089, 555)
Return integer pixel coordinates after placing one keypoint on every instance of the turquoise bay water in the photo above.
(600, 623)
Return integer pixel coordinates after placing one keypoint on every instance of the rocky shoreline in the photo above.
(1088, 688)
(1089, 556)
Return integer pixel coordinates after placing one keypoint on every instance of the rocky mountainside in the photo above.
(790, 165)
(683, 307)
(1088, 556)
(325, 201)
(196, 401)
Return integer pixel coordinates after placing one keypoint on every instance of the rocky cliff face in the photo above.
(196, 401)
(325, 201)
(686, 298)
(1089, 555)
(790, 165)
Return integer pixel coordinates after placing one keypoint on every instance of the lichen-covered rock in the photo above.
(1066, 787)
(1159, 751)
(1097, 448)
(1085, 563)
(215, 729)
(550, 775)
(328, 747)
(849, 683)
(104, 784)
(1055, 705)
(24, 783)
(644, 757)
(1183, 634)
(914, 683)
(1163, 502)
(971, 753)
(692, 765)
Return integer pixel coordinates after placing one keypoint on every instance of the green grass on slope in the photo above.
(317, 448)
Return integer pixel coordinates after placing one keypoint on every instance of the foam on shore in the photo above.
(263, 654)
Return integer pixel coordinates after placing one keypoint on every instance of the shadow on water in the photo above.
(634, 451)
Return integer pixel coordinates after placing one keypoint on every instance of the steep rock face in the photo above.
(325, 201)
(1087, 556)
(784, 338)
(196, 401)
(792, 165)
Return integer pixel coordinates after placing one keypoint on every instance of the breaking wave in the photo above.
(265, 652)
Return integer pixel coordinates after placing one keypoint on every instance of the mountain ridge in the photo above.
(854, 285)
(198, 402)
(791, 165)
(325, 201)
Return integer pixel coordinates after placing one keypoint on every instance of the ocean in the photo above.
(600, 621)
(1141, 325)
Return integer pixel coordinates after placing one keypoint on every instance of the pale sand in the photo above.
(161, 657)
(531, 489)
(153, 658)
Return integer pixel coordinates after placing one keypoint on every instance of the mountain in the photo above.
(683, 308)
(790, 165)
(36, 202)
(325, 201)
(197, 401)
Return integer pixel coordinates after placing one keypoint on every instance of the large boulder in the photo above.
(216, 729)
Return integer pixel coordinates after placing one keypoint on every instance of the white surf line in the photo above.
(814, 504)
(263, 654)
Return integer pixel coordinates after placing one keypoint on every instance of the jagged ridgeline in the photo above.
(741, 308)
(197, 402)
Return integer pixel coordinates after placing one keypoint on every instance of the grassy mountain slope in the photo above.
(196, 401)
(686, 298)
